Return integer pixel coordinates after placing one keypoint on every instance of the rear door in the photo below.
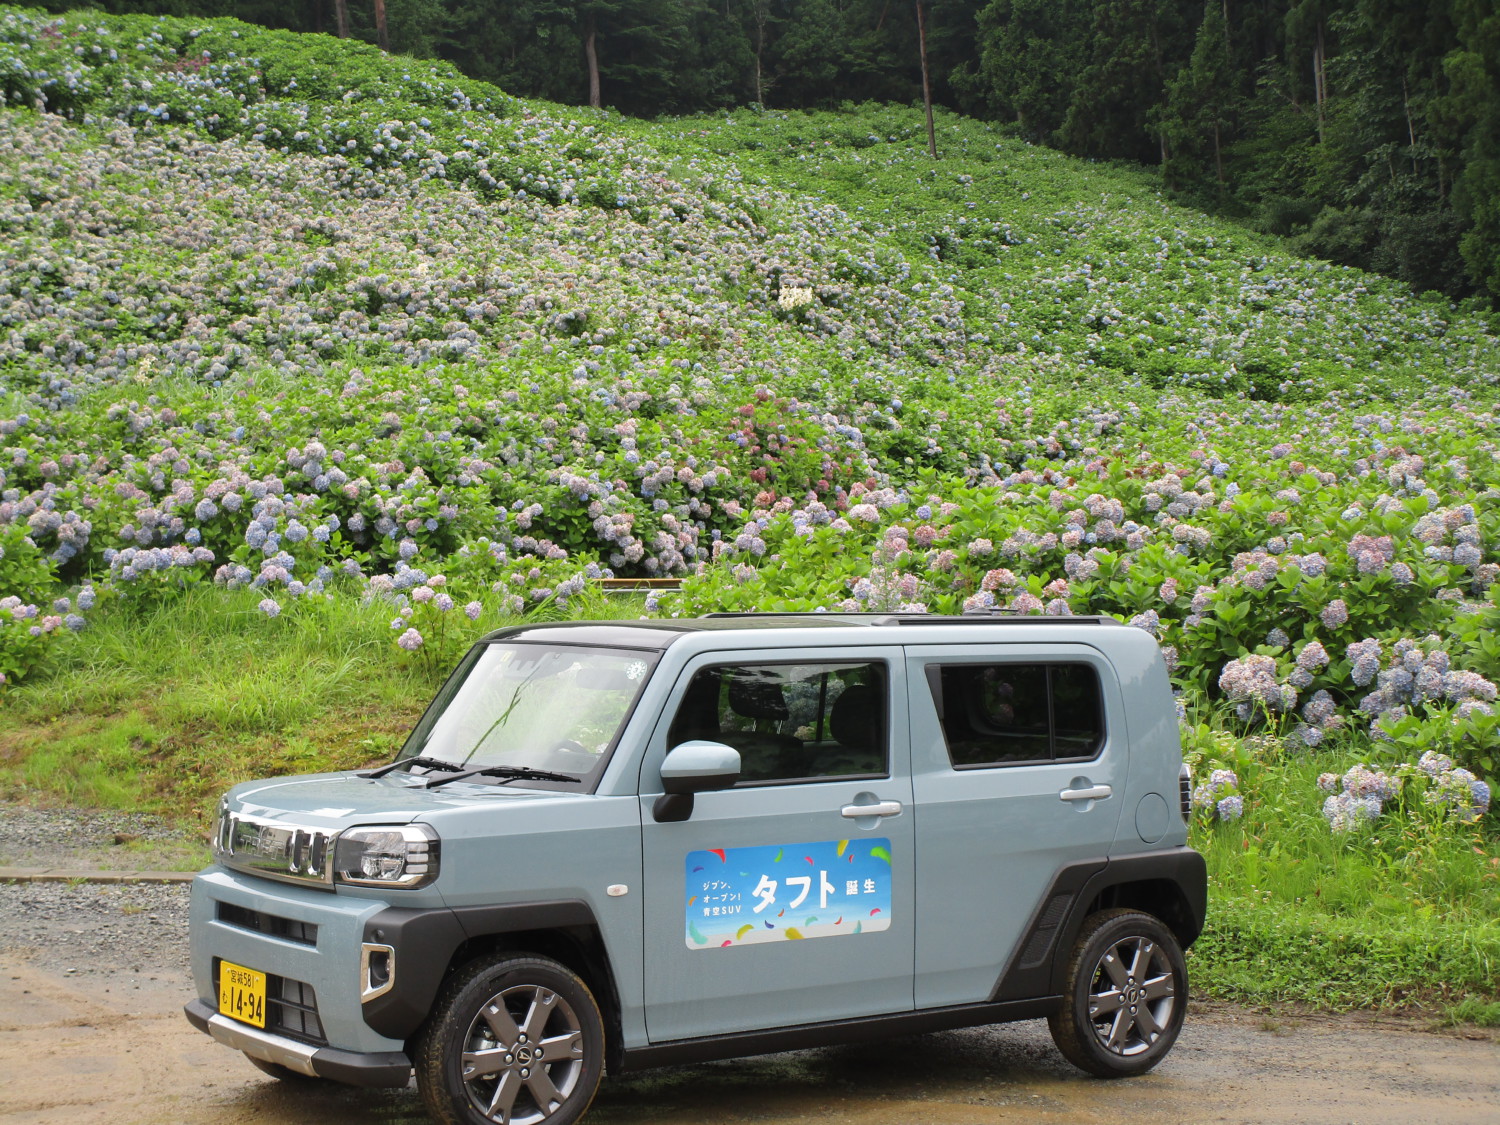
(1018, 768)
(787, 899)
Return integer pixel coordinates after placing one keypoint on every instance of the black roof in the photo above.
(658, 633)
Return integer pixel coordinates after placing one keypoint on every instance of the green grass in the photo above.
(1398, 913)
(1474, 1011)
(162, 707)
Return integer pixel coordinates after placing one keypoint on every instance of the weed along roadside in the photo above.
(273, 456)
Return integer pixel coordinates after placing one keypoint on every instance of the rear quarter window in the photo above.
(1012, 713)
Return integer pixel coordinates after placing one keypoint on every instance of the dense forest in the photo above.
(1367, 130)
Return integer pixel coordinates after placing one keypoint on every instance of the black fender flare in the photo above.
(1177, 875)
(424, 943)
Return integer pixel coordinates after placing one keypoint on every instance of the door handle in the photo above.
(882, 808)
(1093, 793)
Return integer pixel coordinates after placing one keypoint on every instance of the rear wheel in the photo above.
(513, 1040)
(1125, 995)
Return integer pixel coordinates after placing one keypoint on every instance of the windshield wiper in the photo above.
(509, 773)
(430, 763)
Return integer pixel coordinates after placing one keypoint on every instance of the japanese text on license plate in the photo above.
(242, 993)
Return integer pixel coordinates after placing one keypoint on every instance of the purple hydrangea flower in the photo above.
(1335, 614)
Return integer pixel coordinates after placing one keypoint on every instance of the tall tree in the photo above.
(1118, 101)
(926, 82)
(1029, 59)
(1200, 110)
(1471, 110)
(1307, 38)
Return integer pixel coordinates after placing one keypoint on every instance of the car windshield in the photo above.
(545, 707)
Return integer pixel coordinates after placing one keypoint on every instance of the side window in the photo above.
(791, 722)
(995, 714)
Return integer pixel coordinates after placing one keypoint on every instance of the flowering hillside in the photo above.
(281, 312)
(308, 353)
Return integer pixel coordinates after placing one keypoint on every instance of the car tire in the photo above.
(1124, 995)
(513, 1040)
(283, 1073)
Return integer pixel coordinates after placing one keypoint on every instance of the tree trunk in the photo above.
(1320, 88)
(760, 48)
(382, 36)
(341, 18)
(1218, 155)
(926, 85)
(589, 52)
(1411, 128)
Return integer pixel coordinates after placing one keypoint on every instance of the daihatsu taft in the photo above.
(623, 844)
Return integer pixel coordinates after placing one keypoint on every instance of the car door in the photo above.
(1018, 767)
(788, 898)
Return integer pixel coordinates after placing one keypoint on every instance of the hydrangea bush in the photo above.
(1431, 793)
(1218, 798)
(421, 329)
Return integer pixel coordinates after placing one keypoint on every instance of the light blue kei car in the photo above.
(625, 844)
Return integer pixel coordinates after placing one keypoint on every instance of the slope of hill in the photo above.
(365, 344)
(287, 313)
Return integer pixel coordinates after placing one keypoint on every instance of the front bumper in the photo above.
(384, 1068)
(308, 942)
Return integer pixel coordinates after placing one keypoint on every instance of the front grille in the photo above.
(274, 849)
(268, 924)
(291, 1008)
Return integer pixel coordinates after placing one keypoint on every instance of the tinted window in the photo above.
(993, 714)
(790, 721)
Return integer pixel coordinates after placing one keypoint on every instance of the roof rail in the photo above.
(895, 618)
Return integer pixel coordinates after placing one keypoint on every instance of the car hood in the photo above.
(334, 801)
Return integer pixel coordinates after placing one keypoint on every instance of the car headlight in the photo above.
(386, 855)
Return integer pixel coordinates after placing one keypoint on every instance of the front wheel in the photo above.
(1125, 995)
(513, 1040)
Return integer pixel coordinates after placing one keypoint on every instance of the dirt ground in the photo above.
(111, 1045)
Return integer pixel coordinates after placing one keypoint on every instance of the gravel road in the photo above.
(94, 838)
(93, 979)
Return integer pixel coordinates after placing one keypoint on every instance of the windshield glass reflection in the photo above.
(544, 707)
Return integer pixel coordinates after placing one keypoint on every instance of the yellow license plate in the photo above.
(242, 993)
